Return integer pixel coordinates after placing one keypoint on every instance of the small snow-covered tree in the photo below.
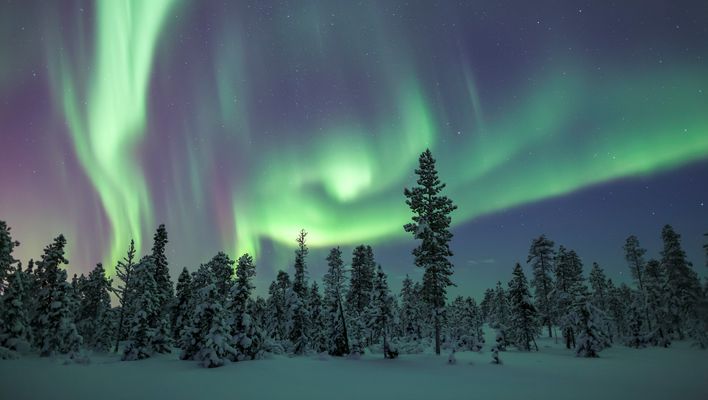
(278, 316)
(146, 317)
(247, 336)
(523, 321)
(297, 299)
(382, 312)
(222, 266)
(541, 256)
(568, 292)
(214, 341)
(637, 335)
(334, 317)
(591, 338)
(15, 332)
(183, 306)
(7, 261)
(317, 320)
(94, 319)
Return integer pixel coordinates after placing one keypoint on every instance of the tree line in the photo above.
(213, 317)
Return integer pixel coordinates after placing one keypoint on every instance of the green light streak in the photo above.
(108, 119)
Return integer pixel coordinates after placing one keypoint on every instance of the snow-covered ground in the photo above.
(680, 372)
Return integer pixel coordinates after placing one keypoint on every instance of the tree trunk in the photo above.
(120, 328)
(550, 332)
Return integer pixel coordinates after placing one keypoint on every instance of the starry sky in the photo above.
(237, 123)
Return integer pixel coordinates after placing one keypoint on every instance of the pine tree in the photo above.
(278, 315)
(248, 337)
(6, 260)
(683, 285)
(619, 308)
(410, 324)
(49, 288)
(15, 331)
(184, 304)
(431, 223)
(94, 320)
(598, 286)
(485, 305)
(146, 317)
(657, 301)
(297, 299)
(591, 339)
(335, 319)
(499, 309)
(568, 293)
(523, 321)
(634, 254)
(541, 256)
(362, 279)
(475, 321)
(637, 336)
(222, 266)
(124, 293)
(165, 291)
(317, 319)
(382, 304)
(211, 334)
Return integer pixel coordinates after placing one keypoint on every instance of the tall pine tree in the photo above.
(523, 321)
(431, 225)
(541, 256)
(124, 293)
(335, 318)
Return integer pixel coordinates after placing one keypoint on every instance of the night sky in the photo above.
(238, 123)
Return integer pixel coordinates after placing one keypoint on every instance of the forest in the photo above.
(213, 317)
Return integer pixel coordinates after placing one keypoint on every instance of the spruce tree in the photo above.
(165, 291)
(569, 292)
(591, 338)
(657, 302)
(124, 293)
(317, 319)
(278, 315)
(335, 319)
(49, 283)
(523, 321)
(248, 338)
(475, 321)
(541, 256)
(431, 225)
(212, 338)
(683, 284)
(184, 304)
(634, 254)
(382, 304)
(362, 279)
(94, 321)
(15, 331)
(598, 286)
(7, 262)
(297, 299)
(409, 310)
(145, 319)
(485, 305)
(222, 266)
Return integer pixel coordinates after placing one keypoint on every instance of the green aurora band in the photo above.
(342, 179)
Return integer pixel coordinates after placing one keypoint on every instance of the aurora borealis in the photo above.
(238, 124)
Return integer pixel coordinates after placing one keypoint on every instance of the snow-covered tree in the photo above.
(211, 337)
(523, 319)
(15, 332)
(499, 309)
(184, 304)
(278, 316)
(541, 256)
(362, 274)
(7, 261)
(53, 298)
(410, 310)
(124, 293)
(634, 254)
(94, 319)
(637, 331)
(334, 317)
(485, 305)
(247, 336)
(568, 292)
(165, 292)
(146, 316)
(656, 301)
(382, 312)
(683, 285)
(591, 338)
(222, 266)
(297, 299)
(317, 320)
(430, 224)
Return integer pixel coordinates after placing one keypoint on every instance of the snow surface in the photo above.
(680, 372)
